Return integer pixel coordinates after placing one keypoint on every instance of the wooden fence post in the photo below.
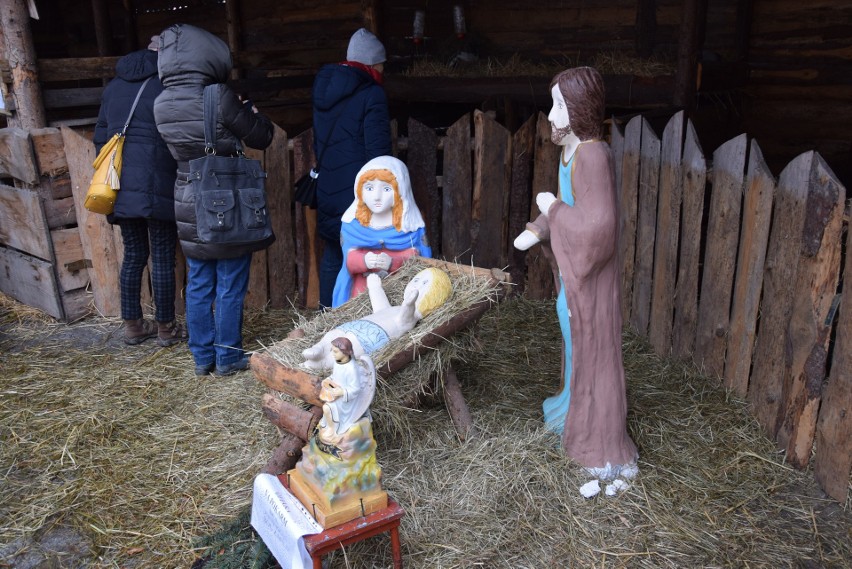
(714, 308)
(307, 242)
(279, 195)
(545, 171)
(421, 160)
(490, 191)
(629, 191)
(694, 173)
(457, 193)
(757, 210)
(666, 241)
(523, 156)
(649, 180)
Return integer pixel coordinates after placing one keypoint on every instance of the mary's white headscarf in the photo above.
(411, 218)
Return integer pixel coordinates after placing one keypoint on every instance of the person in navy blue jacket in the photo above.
(145, 205)
(351, 127)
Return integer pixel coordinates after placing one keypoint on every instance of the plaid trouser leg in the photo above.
(134, 233)
(163, 243)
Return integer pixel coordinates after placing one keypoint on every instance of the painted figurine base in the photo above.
(329, 516)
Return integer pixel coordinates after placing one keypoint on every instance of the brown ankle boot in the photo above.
(137, 331)
(170, 333)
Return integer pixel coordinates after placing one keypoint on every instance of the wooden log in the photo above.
(457, 193)
(279, 196)
(294, 420)
(714, 308)
(666, 240)
(17, 158)
(757, 210)
(96, 235)
(649, 180)
(540, 271)
(833, 459)
(457, 407)
(20, 50)
(30, 281)
(285, 456)
(295, 382)
(23, 224)
(490, 191)
(523, 153)
(694, 172)
(422, 163)
(781, 266)
(813, 312)
(629, 192)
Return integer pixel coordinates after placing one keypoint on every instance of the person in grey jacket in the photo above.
(190, 59)
(145, 204)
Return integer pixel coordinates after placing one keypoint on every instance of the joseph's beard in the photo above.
(557, 135)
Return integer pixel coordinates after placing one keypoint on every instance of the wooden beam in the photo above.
(686, 76)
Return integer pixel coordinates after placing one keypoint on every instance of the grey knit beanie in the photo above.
(365, 48)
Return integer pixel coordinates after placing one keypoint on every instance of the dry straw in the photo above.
(128, 448)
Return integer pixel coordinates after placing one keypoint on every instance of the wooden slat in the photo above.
(540, 275)
(76, 68)
(811, 319)
(714, 308)
(68, 98)
(49, 152)
(757, 210)
(629, 191)
(523, 153)
(457, 193)
(833, 460)
(96, 234)
(30, 281)
(422, 161)
(70, 262)
(649, 180)
(279, 196)
(666, 241)
(616, 144)
(490, 191)
(17, 158)
(782, 260)
(694, 173)
(60, 213)
(257, 295)
(23, 224)
(306, 226)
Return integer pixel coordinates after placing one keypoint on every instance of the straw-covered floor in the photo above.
(148, 466)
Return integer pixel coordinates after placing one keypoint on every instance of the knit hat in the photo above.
(365, 48)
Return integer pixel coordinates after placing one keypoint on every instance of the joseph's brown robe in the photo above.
(584, 244)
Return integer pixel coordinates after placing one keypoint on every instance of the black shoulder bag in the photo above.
(230, 200)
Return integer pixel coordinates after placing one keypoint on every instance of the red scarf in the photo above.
(374, 73)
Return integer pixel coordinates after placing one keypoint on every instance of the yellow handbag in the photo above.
(100, 197)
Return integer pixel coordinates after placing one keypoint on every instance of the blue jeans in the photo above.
(330, 264)
(215, 335)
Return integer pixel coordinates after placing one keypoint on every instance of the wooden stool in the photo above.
(381, 521)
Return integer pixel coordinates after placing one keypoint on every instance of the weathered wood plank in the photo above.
(694, 173)
(23, 224)
(76, 97)
(76, 304)
(306, 226)
(422, 162)
(812, 316)
(757, 210)
(714, 308)
(629, 191)
(17, 158)
(666, 240)
(96, 235)
(60, 213)
(257, 295)
(49, 153)
(457, 181)
(279, 196)
(833, 460)
(70, 261)
(540, 270)
(30, 281)
(490, 191)
(523, 153)
(76, 68)
(649, 180)
(782, 260)
(616, 144)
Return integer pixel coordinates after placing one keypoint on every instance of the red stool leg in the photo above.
(396, 548)
(317, 561)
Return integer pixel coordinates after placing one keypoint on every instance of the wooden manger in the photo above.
(425, 353)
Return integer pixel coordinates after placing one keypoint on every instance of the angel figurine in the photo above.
(381, 229)
(347, 393)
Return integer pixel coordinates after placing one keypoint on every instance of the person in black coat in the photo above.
(351, 127)
(190, 59)
(144, 205)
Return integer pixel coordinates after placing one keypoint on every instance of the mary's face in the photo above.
(421, 282)
(377, 195)
(560, 122)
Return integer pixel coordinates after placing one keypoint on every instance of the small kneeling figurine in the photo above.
(338, 477)
(427, 290)
(381, 229)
